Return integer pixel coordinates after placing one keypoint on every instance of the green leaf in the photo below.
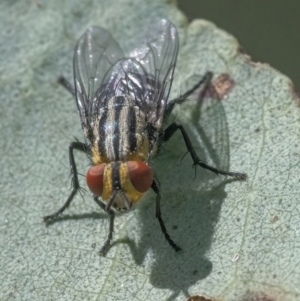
(240, 240)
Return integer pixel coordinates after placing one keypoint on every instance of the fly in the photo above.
(123, 106)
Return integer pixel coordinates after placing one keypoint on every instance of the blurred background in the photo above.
(268, 30)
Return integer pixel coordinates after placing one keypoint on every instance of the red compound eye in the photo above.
(94, 179)
(140, 174)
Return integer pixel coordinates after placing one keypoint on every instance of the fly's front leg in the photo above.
(173, 127)
(206, 79)
(75, 183)
(155, 187)
(111, 214)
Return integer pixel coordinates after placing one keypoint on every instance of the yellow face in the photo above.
(125, 183)
(120, 184)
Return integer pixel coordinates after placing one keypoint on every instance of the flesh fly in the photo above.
(123, 107)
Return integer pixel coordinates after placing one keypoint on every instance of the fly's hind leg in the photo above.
(205, 80)
(155, 187)
(75, 183)
(169, 132)
(66, 84)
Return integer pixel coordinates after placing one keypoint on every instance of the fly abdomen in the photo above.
(120, 132)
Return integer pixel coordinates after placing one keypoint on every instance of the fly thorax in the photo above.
(120, 132)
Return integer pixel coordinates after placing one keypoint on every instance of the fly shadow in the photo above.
(190, 203)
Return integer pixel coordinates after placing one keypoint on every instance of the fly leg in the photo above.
(66, 84)
(155, 187)
(75, 183)
(111, 214)
(173, 127)
(206, 79)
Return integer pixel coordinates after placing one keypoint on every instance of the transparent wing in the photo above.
(157, 55)
(127, 77)
(102, 72)
(95, 54)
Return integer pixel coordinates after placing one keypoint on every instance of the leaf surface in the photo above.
(240, 240)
